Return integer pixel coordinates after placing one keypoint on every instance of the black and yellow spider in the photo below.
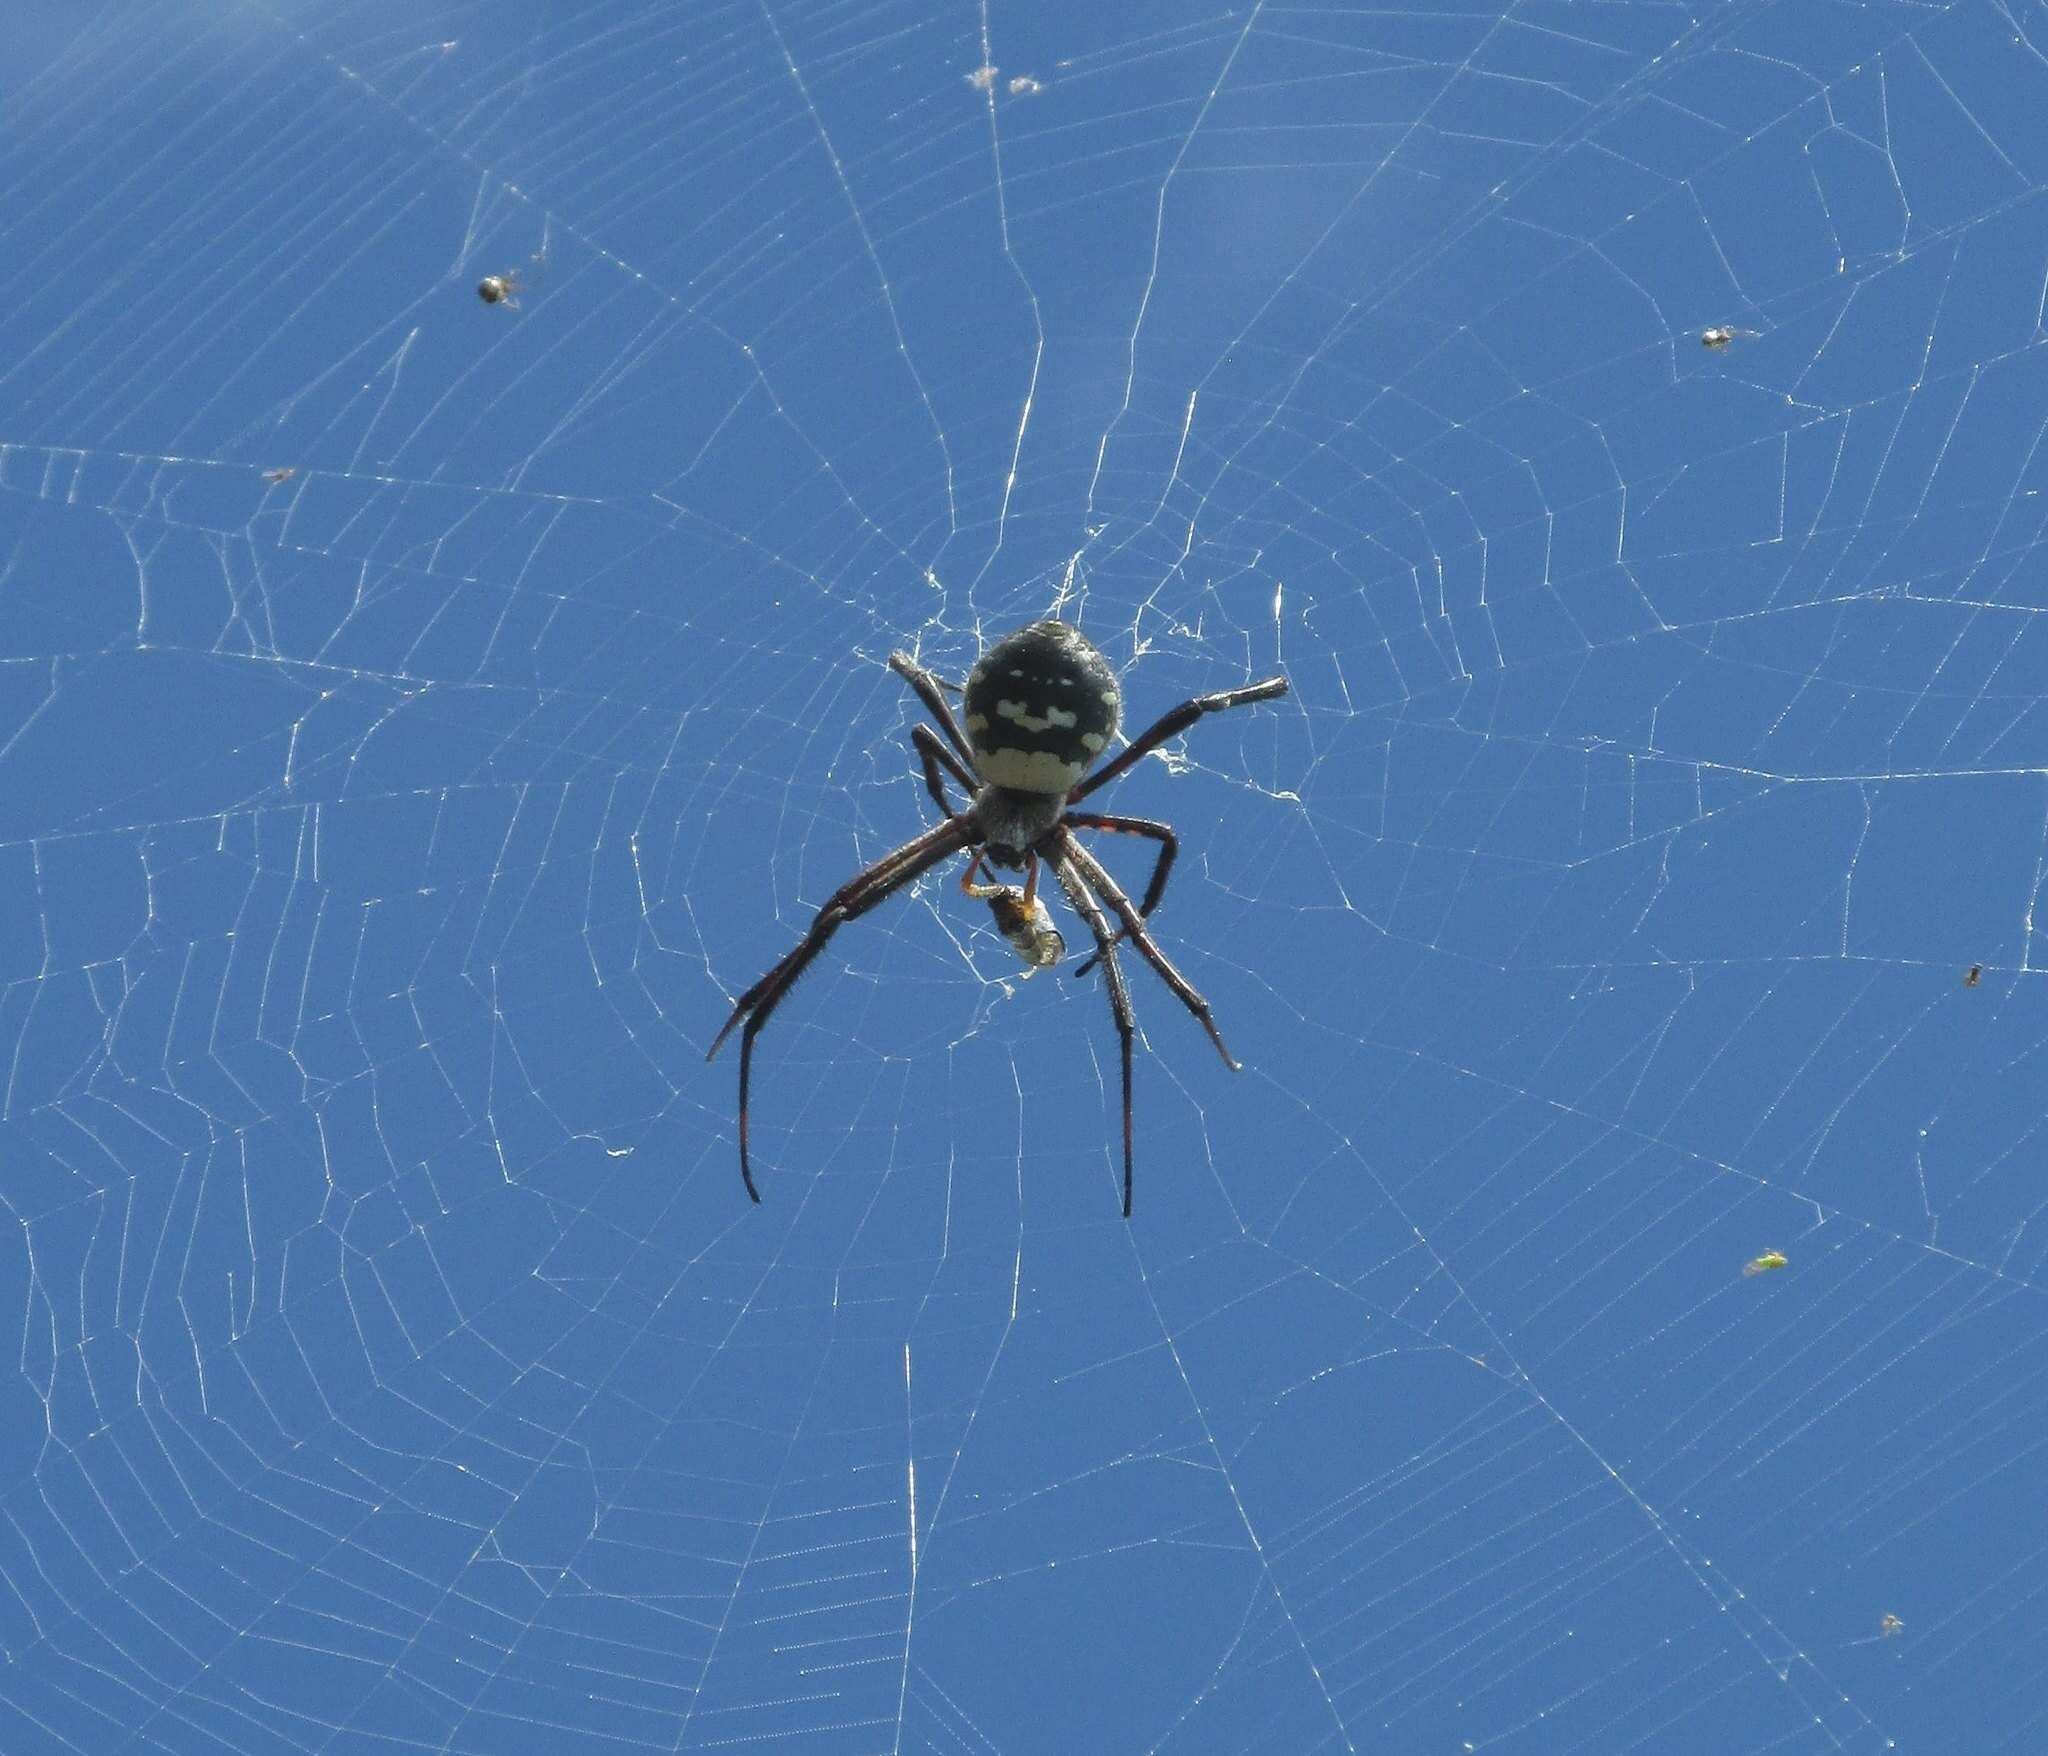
(1040, 706)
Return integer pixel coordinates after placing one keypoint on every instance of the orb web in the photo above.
(1606, 1313)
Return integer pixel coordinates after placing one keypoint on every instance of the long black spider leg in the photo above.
(857, 895)
(1098, 879)
(1171, 724)
(883, 869)
(1076, 888)
(936, 756)
(1169, 848)
(935, 703)
(854, 898)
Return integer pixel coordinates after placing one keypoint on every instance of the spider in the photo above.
(1040, 706)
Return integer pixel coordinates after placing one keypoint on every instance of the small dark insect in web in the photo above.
(504, 289)
(279, 475)
(1039, 706)
(1975, 975)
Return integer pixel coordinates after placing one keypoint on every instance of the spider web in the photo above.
(419, 719)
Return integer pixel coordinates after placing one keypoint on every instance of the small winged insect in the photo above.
(1767, 1263)
(504, 289)
(279, 475)
(1974, 975)
(1721, 335)
(1891, 1627)
(1023, 919)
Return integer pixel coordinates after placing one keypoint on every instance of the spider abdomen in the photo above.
(1040, 706)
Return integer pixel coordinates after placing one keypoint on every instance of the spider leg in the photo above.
(1169, 847)
(1098, 879)
(1171, 724)
(1085, 906)
(929, 691)
(1030, 894)
(840, 900)
(936, 756)
(891, 873)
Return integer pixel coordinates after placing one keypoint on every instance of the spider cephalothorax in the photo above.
(1040, 706)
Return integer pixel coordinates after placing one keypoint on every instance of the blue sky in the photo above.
(420, 719)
